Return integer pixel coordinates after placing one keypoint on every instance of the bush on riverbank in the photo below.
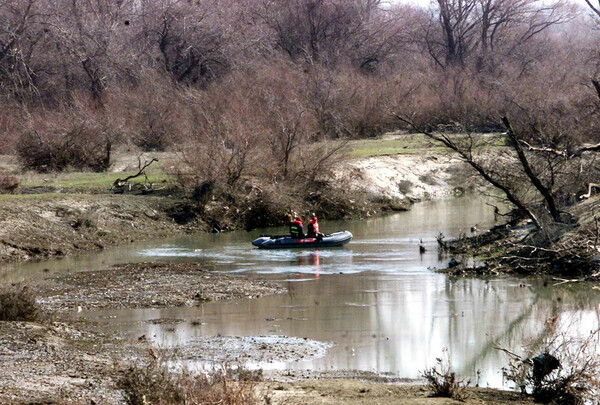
(443, 382)
(9, 184)
(561, 369)
(258, 203)
(154, 383)
(18, 304)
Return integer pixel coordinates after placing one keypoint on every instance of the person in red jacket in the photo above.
(313, 227)
(296, 229)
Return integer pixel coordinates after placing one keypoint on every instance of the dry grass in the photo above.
(18, 304)
(155, 383)
(442, 381)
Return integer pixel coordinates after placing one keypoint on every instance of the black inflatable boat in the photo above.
(287, 242)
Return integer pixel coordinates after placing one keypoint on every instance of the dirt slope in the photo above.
(56, 225)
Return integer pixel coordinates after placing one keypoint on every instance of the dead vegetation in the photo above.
(18, 303)
(568, 252)
(155, 382)
(9, 184)
(443, 382)
(559, 368)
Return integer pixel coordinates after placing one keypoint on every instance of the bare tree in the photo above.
(20, 33)
(84, 32)
(488, 29)
(332, 31)
(466, 147)
(189, 38)
(595, 7)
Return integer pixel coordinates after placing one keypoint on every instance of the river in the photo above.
(378, 301)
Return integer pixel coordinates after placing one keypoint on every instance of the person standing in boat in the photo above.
(313, 227)
(296, 229)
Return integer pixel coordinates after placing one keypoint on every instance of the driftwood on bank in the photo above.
(120, 184)
(589, 193)
(566, 153)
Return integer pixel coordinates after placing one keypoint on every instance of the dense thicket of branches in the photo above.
(250, 85)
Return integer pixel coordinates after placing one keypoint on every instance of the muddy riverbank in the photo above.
(147, 285)
(50, 225)
(69, 360)
(64, 360)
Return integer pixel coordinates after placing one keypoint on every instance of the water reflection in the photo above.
(376, 298)
(390, 323)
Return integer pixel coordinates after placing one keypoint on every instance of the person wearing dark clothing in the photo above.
(296, 229)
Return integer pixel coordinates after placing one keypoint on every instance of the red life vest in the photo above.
(313, 226)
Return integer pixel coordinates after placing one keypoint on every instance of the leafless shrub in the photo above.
(152, 113)
(58, 151)
(77, 136)
(456, 100)
(560, 368)
(442, 381)
(10, 122)
(346, 103)
(17, 303)
(224, 132)
(155, 383)
(8, 183)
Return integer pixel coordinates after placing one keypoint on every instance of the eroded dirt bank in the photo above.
(59, 225)
(414, 177)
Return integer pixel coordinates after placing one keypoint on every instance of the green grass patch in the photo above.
(31, 197)
(413, 144)
(402, 144)
(88, 181)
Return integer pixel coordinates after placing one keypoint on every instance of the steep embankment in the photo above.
(414, 177)
(56, 225)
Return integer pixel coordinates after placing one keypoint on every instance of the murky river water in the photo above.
(377, 299)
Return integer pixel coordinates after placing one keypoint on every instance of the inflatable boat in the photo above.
(287, 242)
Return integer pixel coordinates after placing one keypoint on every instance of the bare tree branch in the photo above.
(467, 157)
(141, 172)
(595, 9)
(535, 180)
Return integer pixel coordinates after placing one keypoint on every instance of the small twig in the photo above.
(514, 355)
(565, 281)
(531, 259)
